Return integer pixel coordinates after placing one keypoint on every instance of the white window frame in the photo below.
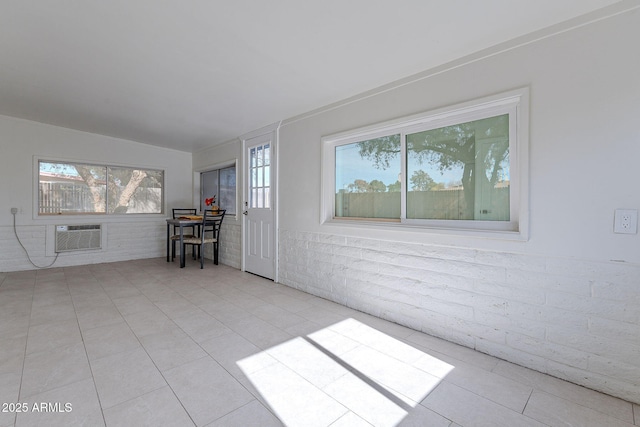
(36, 197)
(515, 103)
(217, 202)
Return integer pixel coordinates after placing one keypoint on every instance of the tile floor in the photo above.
(147, 343)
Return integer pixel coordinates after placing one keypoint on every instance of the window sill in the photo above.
(451, 230)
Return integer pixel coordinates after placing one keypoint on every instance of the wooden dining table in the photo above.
(181, 223)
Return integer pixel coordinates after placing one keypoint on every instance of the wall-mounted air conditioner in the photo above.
(78, 237)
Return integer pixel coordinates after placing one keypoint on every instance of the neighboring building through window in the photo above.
(454, 168)
(79, 188)
(220, 183)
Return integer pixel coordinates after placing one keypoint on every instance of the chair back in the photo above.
(178, 212)
(211, 223)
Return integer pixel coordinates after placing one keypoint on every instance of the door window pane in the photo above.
(267, 151)
(260, 178)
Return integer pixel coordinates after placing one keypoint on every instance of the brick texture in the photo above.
(123, 241)
(576, 319)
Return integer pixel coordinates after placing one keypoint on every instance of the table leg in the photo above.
(181, 247)
(168, 242)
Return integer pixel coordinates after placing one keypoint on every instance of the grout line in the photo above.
(93, 379)
(207, 355)
(26, 342)
(524, 408)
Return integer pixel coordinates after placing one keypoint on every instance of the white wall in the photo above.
(125, 237)
(567, 301)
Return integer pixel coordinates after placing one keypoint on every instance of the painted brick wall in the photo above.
(230, 245)
(121, 241)
(12, 257)
(574, 319)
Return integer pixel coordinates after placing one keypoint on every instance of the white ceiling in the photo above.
(190, 74)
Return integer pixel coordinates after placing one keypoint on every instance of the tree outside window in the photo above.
(73, 188)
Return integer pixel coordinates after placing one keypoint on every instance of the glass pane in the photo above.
(267, 154)
(254, 177)
(267, 197)
(71, 188)
(460, 172)
(134, 190)
(368, 178)
(210, 188)
(260, 173)
(253, 157)
(254, 198)
(267, 176)
(227, 199)
(260, 198)
(259, 156)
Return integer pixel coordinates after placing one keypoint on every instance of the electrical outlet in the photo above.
(14, 211)
(625, 221)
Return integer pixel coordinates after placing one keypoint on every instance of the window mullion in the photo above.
(106, 190)
(514, 171)
(403, 176)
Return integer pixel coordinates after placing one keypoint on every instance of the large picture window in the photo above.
(456, 168)
(66, 188)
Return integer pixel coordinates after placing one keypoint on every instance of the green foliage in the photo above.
(395, 187)
(382, 150)
(421, 181)
(377, 186)
(447, 147)
(362, 186)
(479, 148)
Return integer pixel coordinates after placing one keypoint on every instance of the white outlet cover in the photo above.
(625, 221)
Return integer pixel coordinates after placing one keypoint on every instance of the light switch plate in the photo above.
(625, 221)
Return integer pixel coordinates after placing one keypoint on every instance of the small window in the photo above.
(456, 168)
(260, 176)
(66, 188)
(220, 185)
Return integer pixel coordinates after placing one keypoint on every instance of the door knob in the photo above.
(245, 213)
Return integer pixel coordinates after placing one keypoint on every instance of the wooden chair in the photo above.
(177, 213)
(211, 223)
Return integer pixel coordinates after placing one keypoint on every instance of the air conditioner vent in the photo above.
(78, 237)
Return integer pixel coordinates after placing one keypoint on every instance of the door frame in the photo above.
(274, 130)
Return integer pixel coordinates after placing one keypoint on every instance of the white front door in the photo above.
(259, 206)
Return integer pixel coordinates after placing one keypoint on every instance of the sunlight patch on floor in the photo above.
(349, 372)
